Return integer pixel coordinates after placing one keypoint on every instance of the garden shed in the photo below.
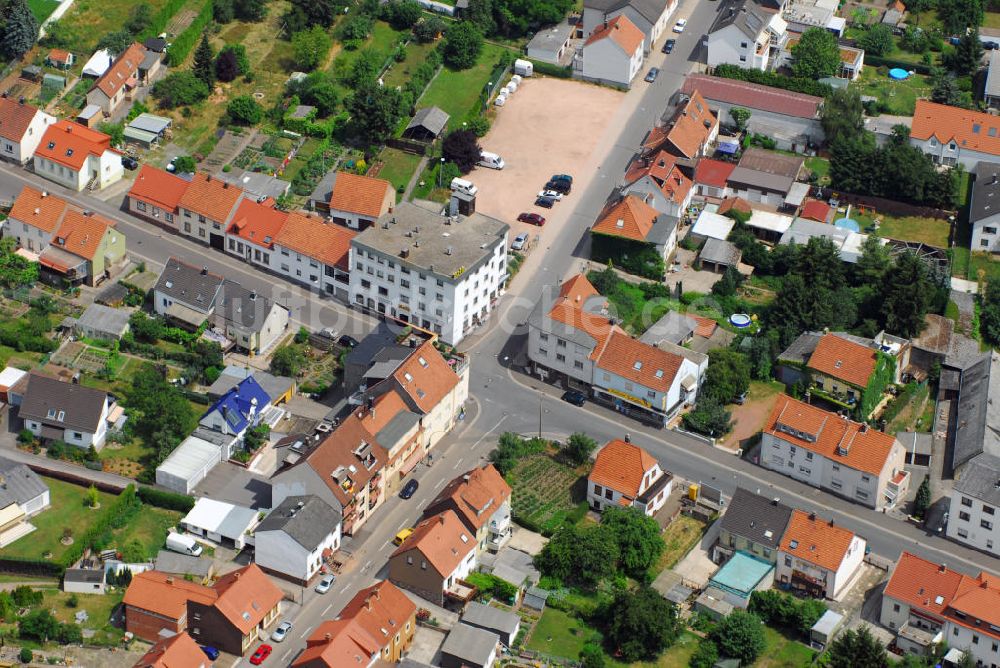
(427, 124)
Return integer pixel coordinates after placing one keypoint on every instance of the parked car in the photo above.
(262, 653)
(991, 46)
(532, 218)
(680, 25)
(210, 652)
(402, 536)
(574, 397)
(562, 177)
(409, 489)
(559, 186)
(281, 632)
(668, 46)
(545, 202)
(324, 584)
(652, 74)
(742, 399)
(554, 194)
(519, 242)
(347, 341)
(129, 163)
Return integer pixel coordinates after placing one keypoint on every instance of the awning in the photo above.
(411, 461)
(689, 383)
(797, 194)
(58, 260)
(186, 314)
(140, 136)
(728, 148)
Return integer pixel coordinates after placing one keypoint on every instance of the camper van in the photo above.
(491, 160)
(183, 544)
(460, 185)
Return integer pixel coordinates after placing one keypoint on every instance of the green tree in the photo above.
(878, 40)
(842, 115)
(402, 14)
(116, 42)
(38, 625)
(162, 416)
(728, 283)
(875, 262)
(705, 656)
(967, 57)
(957, 16)
(816, 55)
(318, 90)
(356, 28)
(305, 13)
(989, 313)
(585, 555)
(428, 29)
(114, 130)
(204, 62)
(310, 47)
(223, 11)
(946, 90)
(185, 164)
(740, 117)
(462, 148)
(20, 29)
(140, 18)
(709, 417)
(639, 625)
(375, 110)
(480, 12)
(26, 655)
(226, 66)
(179, 89)
(252, 10)
(244, 110)
(462, 45)
(92, 498)
(592, 656)
(145, 328)
(922, 501)
(578, 448)
(857, 647)
(15, 271)
(740, 636)
(638, 536)
(288, 361)
(907, 296)
(728, 375)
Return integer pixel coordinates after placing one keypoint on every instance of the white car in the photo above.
(557, 196)
(519, 242)
(680, 25)
(324, 585)
(281, 632)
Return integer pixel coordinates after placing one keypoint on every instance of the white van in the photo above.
(465, 187)
(183, 544)
(491, 160)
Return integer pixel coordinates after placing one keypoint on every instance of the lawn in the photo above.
(398, 167)
(782, 652)
(634, 310)
(149, 528)
(21, 359)
(546, 493)
(985, 263)
(68, 510)
(679, 537)
(416, 54)
(98, 609)
(429, 186)
(991, 20)
(560, 634)
(901, 96)
(89, 20)
(821, 168)
(382, 41)
(42, 9)
(931, 231)
(456, 91)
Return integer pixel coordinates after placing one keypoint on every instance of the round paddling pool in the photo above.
(848, 224)
(740, 320)
(898, 73)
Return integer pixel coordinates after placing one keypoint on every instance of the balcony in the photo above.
(460, 590)
(374, 483)
(920, 637)
(897, 485)
(497, 539)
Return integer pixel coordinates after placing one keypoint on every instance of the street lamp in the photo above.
(541, 396)
(440, 172)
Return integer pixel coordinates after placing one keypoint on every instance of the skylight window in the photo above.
(422, 361)
(246, 616)
(52, 145)
(465, 539)
(408, 377)
(976, 127)
(51, 413)
(659, 373)
(69, 151)
(637, 366)
(794, 544)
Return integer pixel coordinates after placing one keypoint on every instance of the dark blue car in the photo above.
(210, 652)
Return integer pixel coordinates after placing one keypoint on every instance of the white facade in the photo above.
(35, 239)
(106, 169)
(37, 504)
(303, 269)
(974, 523)
(600, 497)
(834, 580)
(986, 235)
(604, 60)
(568, 356)
(732, 45)
(683, 389)
(950, 153)
(593, 18)
(450, 306)
(256, 339)
(22, 151)
(81, 439)
(277, 551)
(653, 195)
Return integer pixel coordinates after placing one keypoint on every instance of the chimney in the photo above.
(864, 427)
(225, 185)
(327, 637)
(441, 518)
(45, 193)
(943, 568)
(208, 178)
(236, 575)
(830, 523)
(812, 517)
(170, 580)
(204, 271)
(465, 477)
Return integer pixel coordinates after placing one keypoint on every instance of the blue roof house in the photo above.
(238, 409)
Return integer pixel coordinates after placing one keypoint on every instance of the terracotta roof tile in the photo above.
(336, 453)
(164, 594)
(971, 130)
(815, 540)
(337, 643)
(363, 195)
(81, 235)
(426, 377)
(816, 210)
(622, 32)
(179, 651)
(258, 223)
(213, 198)
(621, 466)
(753, 96)
(59, 55)
(665, 173)
(714, 173)
(704, 327)
(159, 188)
(475, 496)
(938, 590)
(576, 296)
(734, 203)
(631, 218)
(15, 118)
(845, 360)
(122, 69)
(692, 126)
(443, 541)
(330, 244)
(245, 596)
(69, 144)
(381, 609)
(45, 213)
(840, 440)
(639, 362)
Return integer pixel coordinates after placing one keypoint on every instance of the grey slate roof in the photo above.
(151, 123)
(176, 563)
(986, 189)
(978, 420)
(273, 386)
(718, 251)
(801, 349)
(307, 525)
(190, 285)
(470, 645)
(674, 327)
(100, 318)
(761, 180)
(80, 406)
(745, 15)
(491, 619)
(981, 479)
(892, 17)
(242, 307)
(85, 575)
(651, 10)
(399, 425)
(432, 119)
(756, 518)
(20, 484)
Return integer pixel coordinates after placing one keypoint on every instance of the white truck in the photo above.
(491, 160)
(183, 544)
(463, 186)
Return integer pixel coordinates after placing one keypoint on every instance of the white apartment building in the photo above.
(438, 272)
(975, 497)
(316, 254)
(747, 36)
(817, 557)
(21, 129)
(613, 53)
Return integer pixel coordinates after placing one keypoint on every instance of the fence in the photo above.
(408, 145)
(889, 206)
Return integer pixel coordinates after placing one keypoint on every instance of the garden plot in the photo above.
(543, 493)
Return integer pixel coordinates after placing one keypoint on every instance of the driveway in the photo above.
(749, 418)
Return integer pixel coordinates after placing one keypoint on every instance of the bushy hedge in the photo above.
(158, 23)
(118, 513)
(492, 585)
(164, 499)
(794, 84)
(548, 69)
(184, 42)
(880, 61)
(778, 609)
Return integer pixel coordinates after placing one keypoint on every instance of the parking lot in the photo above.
(549, 126)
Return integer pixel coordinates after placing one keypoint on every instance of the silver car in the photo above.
(519, 242)
(281, 632)
(324, 585)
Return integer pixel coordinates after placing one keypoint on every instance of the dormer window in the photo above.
(51, 413)
(52, 145)
(69, 152)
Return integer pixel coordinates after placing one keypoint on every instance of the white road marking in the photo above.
(306, 632)
(402, 524)
(326, 609)
(439, 484)
(284, 657)
(457, 464)
(346, 587)
(499, 422)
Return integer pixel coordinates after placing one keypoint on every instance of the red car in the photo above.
(262, 653)
(532, 218)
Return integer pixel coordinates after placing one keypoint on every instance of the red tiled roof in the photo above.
(714, 173)
(336, 453)
(258, 222)
(575, 296)
(737, 203)
(443, 541)
(159, 188)
(179, 651)
(121, 70)
(426, 377)
(213, 198)
(69, 144)
(15, 117)
(59, 56)
(664, 172)
(840, 440)
(330, 244)
(970, 130)
(692, 126)
(631, 218)
(817, 541)
(621, 466)
(622, 32)
(165, 595)
(336, 643)
(704, 327)
(81, 235)
(753, 96)
(475, 496)
(245, 596)
(363, 195)
(816, 210)
(381, 609)
(639, 362)
(44, 212)
(845, 360)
